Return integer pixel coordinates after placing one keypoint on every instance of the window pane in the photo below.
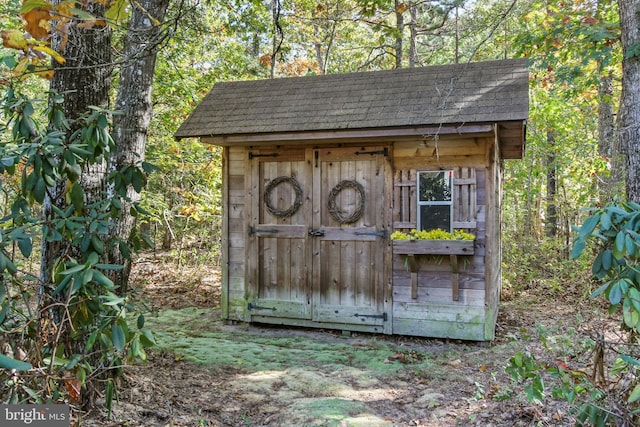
(435, 216)
(435, 186)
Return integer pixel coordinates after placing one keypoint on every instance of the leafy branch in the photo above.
(71, 330)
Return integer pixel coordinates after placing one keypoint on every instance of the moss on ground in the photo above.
(321, 379)
(195, 335)
(331, 412)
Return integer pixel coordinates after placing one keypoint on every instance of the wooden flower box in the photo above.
(453, 248)
(433, 247)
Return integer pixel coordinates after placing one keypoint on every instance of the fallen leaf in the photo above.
(73, 386)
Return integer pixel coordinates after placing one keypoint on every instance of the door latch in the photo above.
(316, 233)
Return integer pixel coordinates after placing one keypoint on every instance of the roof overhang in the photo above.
(510, 136)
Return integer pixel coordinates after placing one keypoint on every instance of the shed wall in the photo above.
(234, 216)
(433, 312)
(436, 308)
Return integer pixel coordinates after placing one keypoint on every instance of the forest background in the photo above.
(572, 159)
(575, 64)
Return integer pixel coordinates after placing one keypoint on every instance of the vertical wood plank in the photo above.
(308, 219)
(406, 198)
(282, 259)
(473, 195)
(456, 195)
(464, 196)
(252, 272)
(493, 244)
(224, 244)
(350, 279)
(413, 268)
(384, 245)
(455, 278)
(364, 258)
(413, 196)
(316, 200)
(397, 199)
(269, 247)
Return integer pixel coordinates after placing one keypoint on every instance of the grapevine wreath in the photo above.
(283, 213)
(333, 209)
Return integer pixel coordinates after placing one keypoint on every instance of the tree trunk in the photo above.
(322, 44)
(84, 80)
(134, 105)
(456, 58)
(318, 48)
(278, 35)
(399, 8)
(551, 224)
(629, 113)
(608, 186)
(413, 27)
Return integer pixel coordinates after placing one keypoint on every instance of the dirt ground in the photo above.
(205, 372)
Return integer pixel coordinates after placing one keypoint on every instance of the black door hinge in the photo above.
(382, 233)
(252, 155)
(257, 307)
(262, 230)
(382, 316)
(384, 152)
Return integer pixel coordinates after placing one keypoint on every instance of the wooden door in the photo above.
(278, 258)
(349, 235)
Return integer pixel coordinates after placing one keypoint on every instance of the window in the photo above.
(435, 200)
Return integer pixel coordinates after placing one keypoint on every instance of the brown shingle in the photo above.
(492, 91)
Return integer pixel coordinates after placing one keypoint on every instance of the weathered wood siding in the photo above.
(438, 308)
(278, 255)
(234, 239)
(447, 297)
(494, 238)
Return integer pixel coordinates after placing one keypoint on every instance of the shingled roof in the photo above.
(461, 94)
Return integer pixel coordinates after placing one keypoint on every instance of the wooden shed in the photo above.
(319, 171)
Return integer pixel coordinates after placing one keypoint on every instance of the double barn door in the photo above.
(318, 235)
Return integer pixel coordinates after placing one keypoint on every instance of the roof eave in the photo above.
(512, 137)
(341, 135)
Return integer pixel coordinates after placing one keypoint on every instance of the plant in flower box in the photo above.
(433, 242)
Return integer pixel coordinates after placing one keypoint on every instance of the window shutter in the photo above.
(464, 203)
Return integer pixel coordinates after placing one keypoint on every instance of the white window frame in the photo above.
(435, 203)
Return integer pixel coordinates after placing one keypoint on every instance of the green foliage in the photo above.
(437, 234)
(184, 202)
(529, 263)
(572, 47)
(70, 327)
(522, 367)
(569, 385)
(615, 230)
(611, 235)
(575, 43)
(540, 380)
